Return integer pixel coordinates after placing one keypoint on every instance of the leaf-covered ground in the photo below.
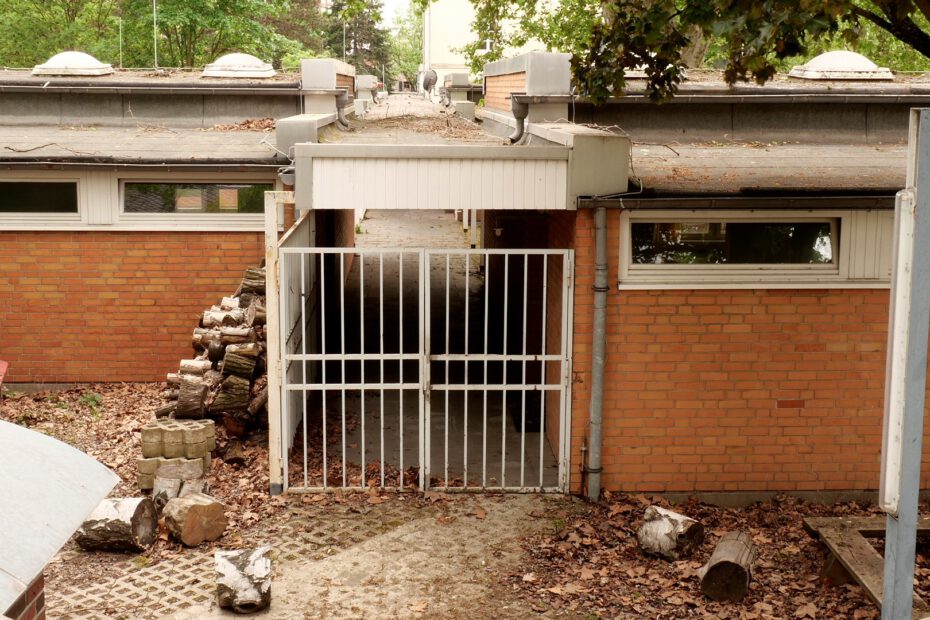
(587, 564)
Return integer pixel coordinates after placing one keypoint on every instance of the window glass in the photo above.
(732, 243)
(38, 197)
(194, 197)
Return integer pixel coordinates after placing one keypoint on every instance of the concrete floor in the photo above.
(469, 446)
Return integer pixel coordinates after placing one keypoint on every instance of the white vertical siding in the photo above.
(869, 236)
(422, 183)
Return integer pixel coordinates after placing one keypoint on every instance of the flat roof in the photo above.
(145, 144)
(734, 169)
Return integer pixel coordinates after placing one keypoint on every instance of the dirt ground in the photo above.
(412, 555)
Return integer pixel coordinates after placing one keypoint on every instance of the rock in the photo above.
(243, 579)
(195, 518)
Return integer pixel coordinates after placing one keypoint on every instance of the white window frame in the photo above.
(20, 220)
(834, 275)
(191, 221)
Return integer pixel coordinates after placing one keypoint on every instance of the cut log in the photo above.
(222, 318)
(195, 518)
(194, 486)
(191, 397)
(253, 281)
(237, 335)
(174, 379)
(234, 453)
(259, 402)
(669, 534)
(163, 491)
(255, 315)
(233, 395)
(212, 378)
(216, 350)
(243, 579)
(170, 394)
(167, 411)
(203, 337)
(728, 572)
(195, 367)
(240, 360)
(229, 303)
(128, 524)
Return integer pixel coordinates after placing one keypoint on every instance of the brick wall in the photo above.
(497, 89)
(731, 390)
(31, 604)
(347, 82)
(111, 306)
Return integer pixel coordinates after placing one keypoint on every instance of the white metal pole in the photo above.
(155, 30)
(906, 375)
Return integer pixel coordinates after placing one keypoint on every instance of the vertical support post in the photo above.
(273, 334)
(906, 375)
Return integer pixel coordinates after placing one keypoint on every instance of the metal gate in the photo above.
(425, 368)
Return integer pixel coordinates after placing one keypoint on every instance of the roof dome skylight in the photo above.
(72, 63)
(841, 65)
(239, 65)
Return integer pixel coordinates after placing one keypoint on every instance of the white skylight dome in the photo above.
(72, 63)
(841, 65)
(239, 65)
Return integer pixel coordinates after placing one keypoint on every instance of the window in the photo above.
(37, 197)
(765, 248)
(214, 198)
(720, 242)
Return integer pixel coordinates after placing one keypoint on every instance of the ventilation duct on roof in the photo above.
(841, 65)
(239, 66)
(72, 63)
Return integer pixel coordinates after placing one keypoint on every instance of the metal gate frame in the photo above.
(296, 333)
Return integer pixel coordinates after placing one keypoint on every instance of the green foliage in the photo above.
(92, 401)
(407, 43)
(353, 32)
(748, 39)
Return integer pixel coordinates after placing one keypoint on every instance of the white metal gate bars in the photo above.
(425, 368)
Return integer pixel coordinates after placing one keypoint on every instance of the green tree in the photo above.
(354, 32)
(751, 39)
(407, 43)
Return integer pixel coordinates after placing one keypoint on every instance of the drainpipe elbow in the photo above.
(520, 110)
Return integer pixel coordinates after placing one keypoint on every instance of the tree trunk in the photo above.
(243, 579)
(195, 518)
(128, 524)
(233, 395)
(195, 367)
(255, 315)
(669, 534)
(191, 397)
(253, 281)
(727, 574)
(240, 360)
(237, 335)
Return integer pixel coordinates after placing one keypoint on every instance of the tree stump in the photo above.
(194, 518)
(243, 579)
(669, 534)
(728, 572)
(191, 396)
(233, 395)
(128, 524)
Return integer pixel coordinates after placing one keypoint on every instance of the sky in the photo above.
(392, 10)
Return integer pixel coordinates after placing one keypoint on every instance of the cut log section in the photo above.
(240, 360)
(237, 335)
(191, 397)
(222, 318)
(203, 337)
(669, 534)
(255, 315)
(195, 367)
(233, 395)
(128, 524)
(728, 572)
(173, 379)
(243, 579)
(167, 411)
(259, 402)
(253, 281)
(195, 518)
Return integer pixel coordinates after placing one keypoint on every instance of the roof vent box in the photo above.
(239, 66)
(72, 63)
(840, 65)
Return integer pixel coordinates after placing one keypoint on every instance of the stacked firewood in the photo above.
(226, 377)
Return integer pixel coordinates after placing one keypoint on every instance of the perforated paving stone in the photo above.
(306, 532)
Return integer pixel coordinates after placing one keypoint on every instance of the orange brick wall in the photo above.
(111, 306)
(497, 89)
(731, 390)
(31, 604)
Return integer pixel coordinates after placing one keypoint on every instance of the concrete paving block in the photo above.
(196, 450)
(145, 481)
(180, 468)
(147, 465)
(174, 450)
(152, 449)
